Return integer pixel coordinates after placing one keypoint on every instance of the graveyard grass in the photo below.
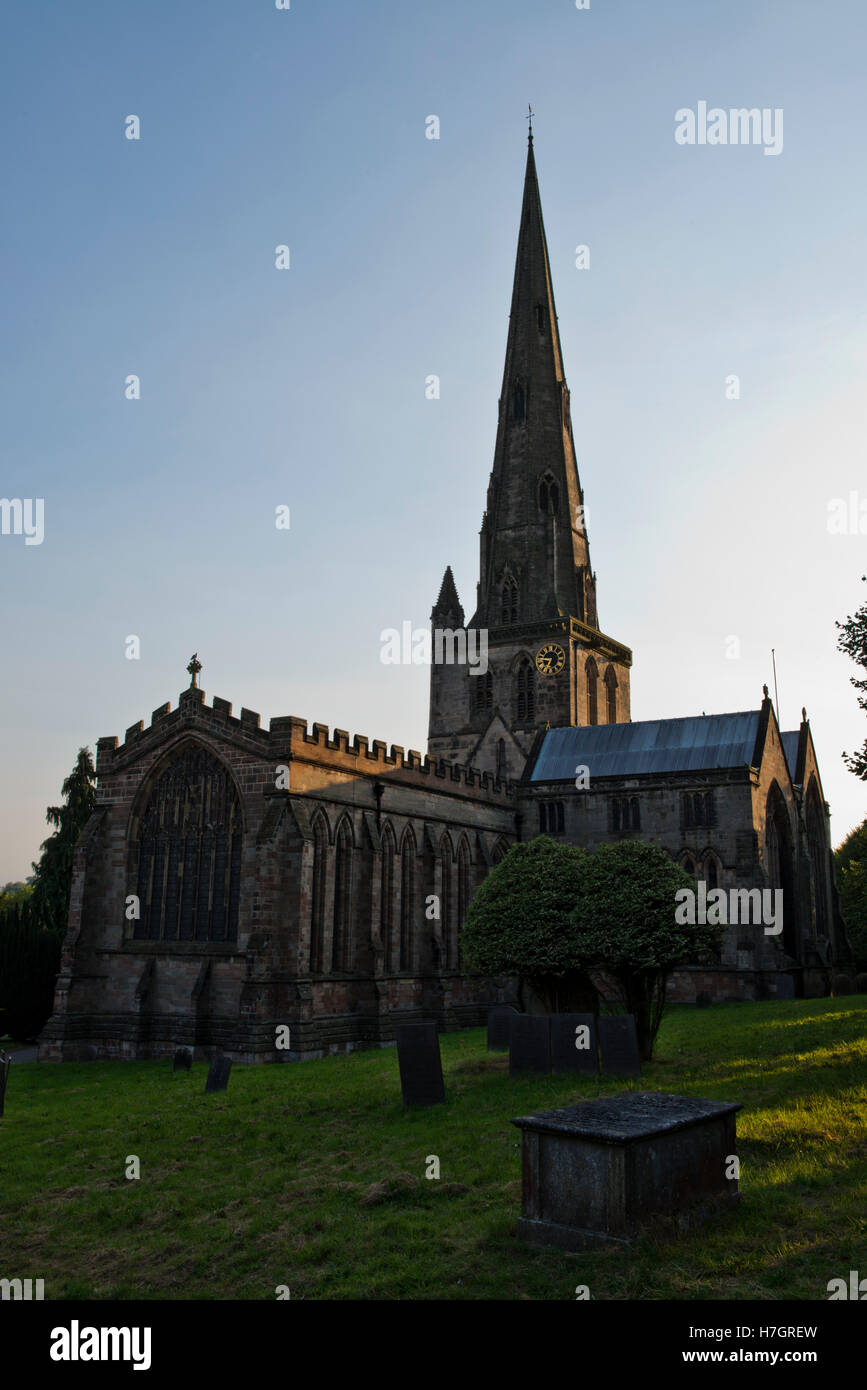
(313, 1176)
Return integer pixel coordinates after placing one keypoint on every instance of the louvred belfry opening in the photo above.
(189, 852)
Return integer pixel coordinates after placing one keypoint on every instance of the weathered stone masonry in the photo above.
(332, 933)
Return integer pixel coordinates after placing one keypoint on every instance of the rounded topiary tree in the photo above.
(625, 927)
(519, 924)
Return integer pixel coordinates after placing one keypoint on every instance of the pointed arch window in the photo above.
(446, 905)
(407, 899)
(463, 892)
(540, 319)
(818, 856)
(508, 603)
(317, 901)
(592, 671)
(519, 403)
(189, 852)
(525, 703)
(611, 694)
(386, 897)
(342, 897)
(549, 495)
(711, 873)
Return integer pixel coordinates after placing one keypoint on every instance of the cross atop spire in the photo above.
(530, 129)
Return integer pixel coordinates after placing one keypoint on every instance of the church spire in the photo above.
(533, 535)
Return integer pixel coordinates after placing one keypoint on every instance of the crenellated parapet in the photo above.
(289, 739)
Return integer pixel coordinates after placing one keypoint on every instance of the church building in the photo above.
(235, 880)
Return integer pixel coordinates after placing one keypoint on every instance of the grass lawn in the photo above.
(312, 1175)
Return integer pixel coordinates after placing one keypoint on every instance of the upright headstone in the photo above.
(218, 1074)
(573, 1043)
(703, 1000)
(183, 1059)
(5, 1063)
(530, 1043)
(785, 987)
(618, 1043)
(499, 1023)
(421, 1068)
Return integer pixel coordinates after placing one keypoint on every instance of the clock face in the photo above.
(550, 659)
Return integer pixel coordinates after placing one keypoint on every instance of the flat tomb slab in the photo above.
(591, 1172)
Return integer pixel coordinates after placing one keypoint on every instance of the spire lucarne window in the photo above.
(509, 601)
(549, 495)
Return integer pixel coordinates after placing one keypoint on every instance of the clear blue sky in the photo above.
(708, 517)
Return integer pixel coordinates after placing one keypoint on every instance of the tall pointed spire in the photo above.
(547, 661)
(533, 533)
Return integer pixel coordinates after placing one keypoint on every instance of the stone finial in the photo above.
(765, 692)
(194, 667)
(803, 714)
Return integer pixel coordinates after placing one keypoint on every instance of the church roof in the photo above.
(700, 743)
(791, 742)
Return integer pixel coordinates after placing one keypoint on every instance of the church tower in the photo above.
(548, 663)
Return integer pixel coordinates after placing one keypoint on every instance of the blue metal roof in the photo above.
(699, 743)
(790, 741)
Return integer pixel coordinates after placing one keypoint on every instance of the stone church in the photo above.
(234, 878)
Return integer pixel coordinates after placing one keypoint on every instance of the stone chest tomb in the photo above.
(591, 1172)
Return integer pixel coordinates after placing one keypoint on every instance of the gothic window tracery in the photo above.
(483, 692)
(190, 847)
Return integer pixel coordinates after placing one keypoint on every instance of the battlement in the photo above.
(289, 737)
(191, 710)
(365, 755)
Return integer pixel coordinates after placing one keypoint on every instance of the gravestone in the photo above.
(421, 1068)
(703, 1000)
(593, 1173)
(499, 1023)
(530, 1043)
(785, 987)
(218, 1074)
(618, 1043)
(5, 1063)
(183, 1059)
(567, 1032)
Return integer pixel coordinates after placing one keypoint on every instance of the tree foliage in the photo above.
(33, 918)
(853, 641)
(552, 914)
(625, 920)
(29, 962)
(850, 859)
(53, 873)
(518, 923)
